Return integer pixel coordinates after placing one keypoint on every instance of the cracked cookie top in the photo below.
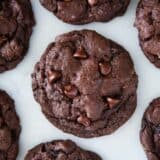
(150, 131)
(148, 24)
(60, 150)
(16, 22)
(9, 128)
(86, 11)
(85, 84)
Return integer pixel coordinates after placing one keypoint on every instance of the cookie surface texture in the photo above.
(16, 23)
(60, 150)
(9, 128)
(148, 25)
(86, 84)
(86, 11)
(150, 130)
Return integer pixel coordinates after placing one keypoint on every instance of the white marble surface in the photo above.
(124, 143)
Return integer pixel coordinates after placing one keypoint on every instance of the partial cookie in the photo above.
(9, 128)
(86, 11)
(148, 25)
(85, 84)
(16, 22)
(60, 150)
(150, 132)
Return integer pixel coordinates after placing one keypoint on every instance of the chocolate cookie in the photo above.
(86, 11)
(86, 84)
(148, 24)
(9, 128)
(60, 150)
(150, 132)
(16, 22)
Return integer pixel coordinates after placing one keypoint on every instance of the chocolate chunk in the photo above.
(16, 23)
(80, 53)
(54, 76)
(60, 150)
(82, 100)
(84, 120)
(9, 128)
(112, 102)
(92, 2)
(70, 91)
(150, 130)
(148, 25)
(105, 68)
(65, 146)
(86, 11)
(62, 156)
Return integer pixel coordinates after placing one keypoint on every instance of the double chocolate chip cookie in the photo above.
(148, 24)
(86, 11)
(150, 132)
(60, 150)
(9, 128)
(16, 22)
(86, 84)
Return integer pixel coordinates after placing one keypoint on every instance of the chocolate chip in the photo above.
(62, 156)
(3, 39)
(84, 120)
(81, 11)
(53, 76)
(70, 91)
(66, 146)
(80, 53)
(5, 139)
(105, 68)
(92, 2)
(112, 102)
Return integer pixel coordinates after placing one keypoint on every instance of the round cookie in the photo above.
(16, 22)
(150, 131)
(148, 25)
(9, 128)
(60, 150)
(85, 84)
(86, 11)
